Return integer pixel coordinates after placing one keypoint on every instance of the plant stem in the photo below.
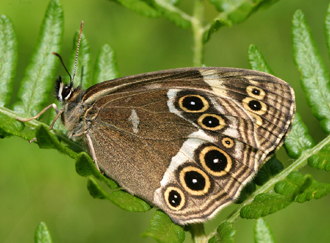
(198, 233)
(197, 30)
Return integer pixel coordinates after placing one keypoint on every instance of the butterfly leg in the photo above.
(58, 114)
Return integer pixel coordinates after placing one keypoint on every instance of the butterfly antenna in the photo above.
(67, 71)
(76, 60)
(78, 45)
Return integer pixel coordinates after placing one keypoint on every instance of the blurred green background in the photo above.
(41, 185)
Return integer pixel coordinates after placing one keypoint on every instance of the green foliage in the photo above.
(8, 58)
(163, 230)
(35, 86)
(106, 67)
(299, 139)
(321, 160)
(42, 234)
(262, 232)
(225, 234)
(121, 198)
(268, 171)
(257, 61)
(273, 188)
(314, 75)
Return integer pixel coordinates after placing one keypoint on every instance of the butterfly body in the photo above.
(185, 140)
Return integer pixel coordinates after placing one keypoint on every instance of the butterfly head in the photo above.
(66, 92)
(63, 91)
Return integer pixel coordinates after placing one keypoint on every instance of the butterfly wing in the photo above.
(187, 140)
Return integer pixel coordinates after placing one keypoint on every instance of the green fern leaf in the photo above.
(85, 167)
(225, 234)
(298, 139)
(257, 61)
(264, 204)
(268, 203)
(327, 28)
(294, 184)
(121, 198)
(314, 75)
(163, 230)
(139, 6)
(174, 14)
(106, 67)
(238, 11)
(272, 167)
(316, 190)
(42, 234)
(321, 160)
(262, 232)
(214, 27)
(8, 59)
(36, 84)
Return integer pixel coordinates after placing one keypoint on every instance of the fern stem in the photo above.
(197, 30)
(198, 233)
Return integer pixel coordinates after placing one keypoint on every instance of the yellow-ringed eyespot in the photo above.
(193, 103)
(195, 181)
(255, 92)
(215, 161)
(227, 142)
(211, 122)
(174, 198)
(254, 105)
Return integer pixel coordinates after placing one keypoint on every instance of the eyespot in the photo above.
(211, 122)
(193, 103)
(174, 198)
(215, 161)
(255, 92)
(227, 142)
(195, 181)
(255, 106)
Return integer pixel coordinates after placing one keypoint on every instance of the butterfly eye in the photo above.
(193, 103)
(175, 198)
(66, 93)
(194, 180)
(215, 161)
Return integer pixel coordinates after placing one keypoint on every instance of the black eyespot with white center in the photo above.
(215, 161)
(255, 105)
(193, 103)
(194, 180)
(174, 198)
(211, 122)
(255, 92)
(227, 142)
